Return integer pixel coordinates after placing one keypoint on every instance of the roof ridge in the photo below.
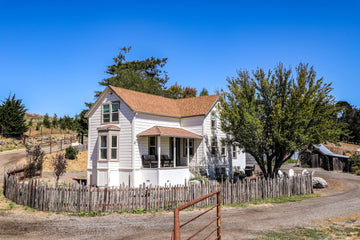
(159, 105)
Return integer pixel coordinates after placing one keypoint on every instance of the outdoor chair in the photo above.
(165, 161)
(153, 161)
(146, 161)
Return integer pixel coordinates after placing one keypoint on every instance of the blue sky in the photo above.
(54, 53)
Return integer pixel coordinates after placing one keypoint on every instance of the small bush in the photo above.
(71, 153)
(221, 178)
(239, 175)
(200, 179)
(59, 164)
(305, 166)
(35, 160)
(121, 212)
(136, 211)
(11, 205)
(357, 172)
(354, 168)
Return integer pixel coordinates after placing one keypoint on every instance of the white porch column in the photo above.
(159, 152)
(174, 140)
(188, 151)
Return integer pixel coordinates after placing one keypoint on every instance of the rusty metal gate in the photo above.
(177, 226)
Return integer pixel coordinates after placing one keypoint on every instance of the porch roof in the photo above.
(168, 132)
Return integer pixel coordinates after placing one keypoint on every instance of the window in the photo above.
(115, 112)
(152, 145)
(233, 151)
(110, 112)
(223, 149)
(103, 147)
(106, 113)
(108, 148)
(114, 147)
(191, 147)
(213, 146)
(213, 120)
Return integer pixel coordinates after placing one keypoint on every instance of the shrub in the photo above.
(137, 211)
(239, 175)
(221, 178)
(354, 162)
(200, 179)
(305, 165)
(35, 160)
(71, 153)
(59, 164)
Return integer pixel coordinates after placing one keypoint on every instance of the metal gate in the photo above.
(177, 226)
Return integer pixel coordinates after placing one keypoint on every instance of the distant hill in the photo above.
(35, 117)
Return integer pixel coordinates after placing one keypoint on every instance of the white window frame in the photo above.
(116, 147)
(191, 147)
(109, 145)
(213, 121)
(101, 148)
(152, 146)
(110, 112)
(223, 148)
(214, 149)
(234, 153)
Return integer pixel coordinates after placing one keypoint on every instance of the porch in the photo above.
(166, 147)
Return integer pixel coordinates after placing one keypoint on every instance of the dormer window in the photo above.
(213, 120)
(110, 112)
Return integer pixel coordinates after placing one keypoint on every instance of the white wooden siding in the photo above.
(144, 122)
(193, 124)
(124, 141)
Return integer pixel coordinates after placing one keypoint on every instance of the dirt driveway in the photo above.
(341, 199)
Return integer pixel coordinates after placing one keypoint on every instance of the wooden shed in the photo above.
(319, 156)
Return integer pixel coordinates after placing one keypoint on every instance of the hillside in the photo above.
(347, 149)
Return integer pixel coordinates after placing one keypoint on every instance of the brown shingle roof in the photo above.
(168, 132)
(108, 127)
(148, 103)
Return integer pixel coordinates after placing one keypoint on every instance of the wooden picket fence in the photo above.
(78, 198)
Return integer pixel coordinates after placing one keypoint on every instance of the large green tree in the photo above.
(145, 76)
(351, 116)
(271, 114)
(12, 117)
(81, 125)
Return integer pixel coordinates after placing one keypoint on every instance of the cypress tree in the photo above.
(12, 117)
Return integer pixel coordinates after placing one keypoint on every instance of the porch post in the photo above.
(159, 152)
(174, 152)
(188, 151)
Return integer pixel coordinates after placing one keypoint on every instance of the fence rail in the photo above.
(78, 198)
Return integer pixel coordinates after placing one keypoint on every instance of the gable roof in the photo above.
(168, 132)
(148, 103)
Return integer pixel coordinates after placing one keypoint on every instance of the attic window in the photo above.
(110, 112)
(213, 120)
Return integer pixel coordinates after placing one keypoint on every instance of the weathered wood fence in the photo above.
(77, 198)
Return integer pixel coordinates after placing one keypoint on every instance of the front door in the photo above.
(177, 150)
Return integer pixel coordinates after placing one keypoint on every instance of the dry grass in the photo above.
(77, 165)
(347, 149)
(74, 166)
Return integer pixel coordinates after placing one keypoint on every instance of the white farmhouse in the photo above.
(137, 138)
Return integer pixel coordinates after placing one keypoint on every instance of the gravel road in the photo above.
(341, 199)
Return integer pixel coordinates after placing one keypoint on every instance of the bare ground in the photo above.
(341, 199)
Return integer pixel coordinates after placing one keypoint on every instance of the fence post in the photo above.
(105, 195)
(176, 225)
(78, 199)
(218, 222)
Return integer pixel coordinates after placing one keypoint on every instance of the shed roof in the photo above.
(168, 132)
(324, 150)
